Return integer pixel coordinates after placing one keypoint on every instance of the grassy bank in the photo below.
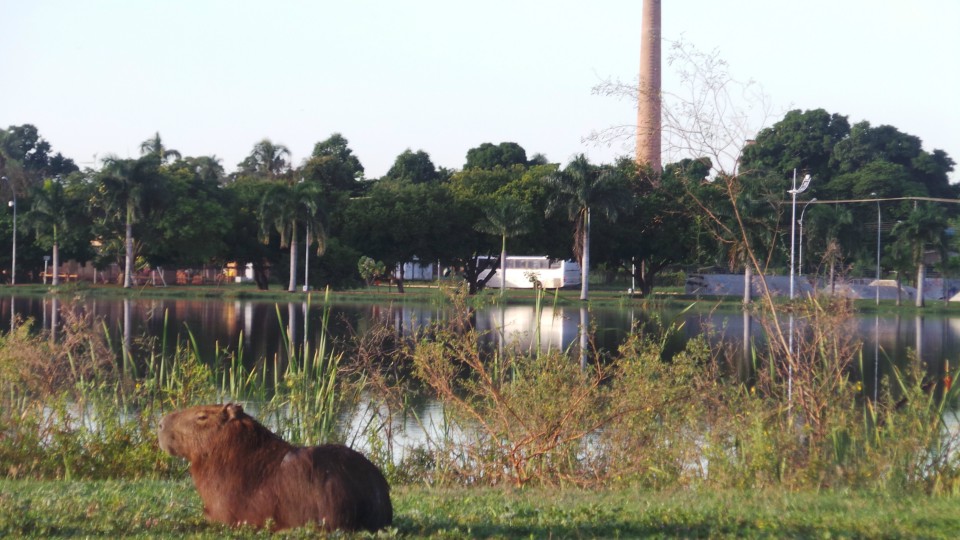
(415, 293)
(430, 292)
(171, 509)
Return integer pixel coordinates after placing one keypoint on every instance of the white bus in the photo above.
(525, 271)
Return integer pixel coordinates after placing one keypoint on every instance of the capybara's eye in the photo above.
(202, 417)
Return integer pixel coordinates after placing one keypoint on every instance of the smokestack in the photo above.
(648, 99)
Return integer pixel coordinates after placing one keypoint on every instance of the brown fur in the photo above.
(247, 474)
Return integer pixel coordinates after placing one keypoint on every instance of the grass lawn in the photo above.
(417, 292)
(162, 509)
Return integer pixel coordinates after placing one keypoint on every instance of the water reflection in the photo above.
(888, 341)
(524, 328)
(263, 329)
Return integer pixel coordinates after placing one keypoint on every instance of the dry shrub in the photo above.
(43, 365)
(526, 419)
(61, 412)
(654, 440)
(512, 419)
(805, 420)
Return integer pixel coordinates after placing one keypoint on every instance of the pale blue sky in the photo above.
(215, 76)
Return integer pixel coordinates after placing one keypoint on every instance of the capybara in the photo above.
(246, 474)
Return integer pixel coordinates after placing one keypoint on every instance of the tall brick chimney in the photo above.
(648, 99)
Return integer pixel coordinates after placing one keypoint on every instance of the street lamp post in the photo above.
(306, 262)
(13, 204)
(874, 195)
(800, 254)
(793, 219)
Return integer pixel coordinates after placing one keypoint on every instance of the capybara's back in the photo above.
(336, 473)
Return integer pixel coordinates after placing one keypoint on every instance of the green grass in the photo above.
(171, 509)
(416, 292)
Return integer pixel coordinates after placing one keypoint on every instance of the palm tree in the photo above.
(287, 206)
(583, 188)
(505, 217)
(925, 228)
(123, 183)
(155, 146)
(48, 214)
(832, 223)
(266, 159)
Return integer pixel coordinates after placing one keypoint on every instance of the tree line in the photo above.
(166, 210)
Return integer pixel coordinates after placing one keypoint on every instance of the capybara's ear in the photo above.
(233, 410)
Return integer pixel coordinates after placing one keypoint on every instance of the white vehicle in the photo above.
(527, 271)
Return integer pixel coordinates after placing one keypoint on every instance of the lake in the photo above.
(260, 327)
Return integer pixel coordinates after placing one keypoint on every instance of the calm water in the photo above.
(260, 327)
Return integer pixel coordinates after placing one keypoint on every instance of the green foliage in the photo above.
(23, 149)
(371, 270)
(334, 165)
(582, 190)
(848, 162)
(337, 268)
(266, 161)
(663, 228)
(154, 146)
(397, 222)
(491, 156)
(172, 236)
(414, 167)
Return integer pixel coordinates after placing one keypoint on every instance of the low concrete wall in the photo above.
(732, 285)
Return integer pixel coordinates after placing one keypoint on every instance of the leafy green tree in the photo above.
(414, 167)
(909, 168)
(803, 140)
(474, 191)
(400, 221)
(49, 216)
(662, 228)
(24, 145)
(267, 160)
(924, 230)
(582, 188)
(530, 186)
(899, 257)
(852, 162)
(206, 169)
(244, 199)
(124, 186)
(505, 217)
(829, 228)
(334, 165)
(746, 216)
(189, 228)
(491, 156)
(371, 270)
(154, 145)
(286, 207)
